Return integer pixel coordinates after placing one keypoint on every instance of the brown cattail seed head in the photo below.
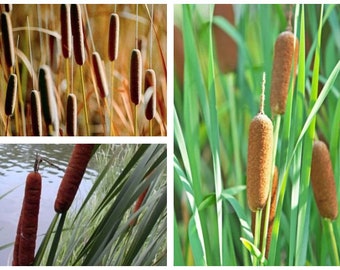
(48, 100)
(66, 37)
(260, 147)
(78, 34)
(323, 183)
(113, 37)
(36, 113)
(7, 39)
(286, 54)
(136, 76)
(11, 95)
(7, 7)
(150, 85)
(100, 75)
(71, 115)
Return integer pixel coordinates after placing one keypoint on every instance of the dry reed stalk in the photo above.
(7, 39)
(75, 170)
(48, 100)
(71, 115)
(323, 183)
(11, 95)
(66, 34)
(136, 76)
(113, 37)
(78, 34)
(286, 54)
(150, 82)
(36, 113)
(100, 75)
(29, 219)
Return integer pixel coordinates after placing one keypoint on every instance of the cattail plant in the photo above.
(71, 115)
(7, 39)
(48, 100)
(75, 170)
(36, 113)
(11, 96)
(113, 37)
(78, 34)
(54, 53)
(286, 54)
(136, 81)
(323, 183)
(260, 148)
(100, 75)
(28, 222)
(150, 83)
(7, 7)
(66, 37)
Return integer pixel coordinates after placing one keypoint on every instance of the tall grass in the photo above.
(44, 38)
(212, 222)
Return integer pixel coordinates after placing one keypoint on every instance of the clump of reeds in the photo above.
(28, 223)
(71, 115)
(323, 183)
(113, 37)
(7, 39)
(36, 113)
(48, 100)
(286, 54)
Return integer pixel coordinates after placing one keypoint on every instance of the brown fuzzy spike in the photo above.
(11, 94)
(150, 83)
(7, 39)
(323, 183)
(78, 34)
(71, 115)
(36, 113)
(113, 37)
(100, 75)
(136, 76)
(286, 51)
(260, 147)
(66, 37)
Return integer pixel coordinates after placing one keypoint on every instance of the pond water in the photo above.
(16, 161)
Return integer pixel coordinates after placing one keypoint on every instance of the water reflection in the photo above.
(16, 160)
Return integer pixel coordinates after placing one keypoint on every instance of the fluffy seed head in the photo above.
(11, 95)
(100, 75)
(136, 76)
(36, 113)
(286, 54)
(48, 100)
(71, 115)
(66, 37)
(7, 39)
(150, 83)
(113, 37)
(78, 34)
(260, 145)
(323, 183)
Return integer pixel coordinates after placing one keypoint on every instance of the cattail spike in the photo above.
(36, 113)
(48, 100)
(286, 54)
(150, 84)
(7, 39)
(136, 76)
(113, 37)
(100, 75)
(323, 183)
(66, 37)
(78, 34)
(71, 115)
(11, 95)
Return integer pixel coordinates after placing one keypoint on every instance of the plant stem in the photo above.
(136, 124)
(257, 235)
(335, 255)
(84, 101)
(150, 127)
(112, 99)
